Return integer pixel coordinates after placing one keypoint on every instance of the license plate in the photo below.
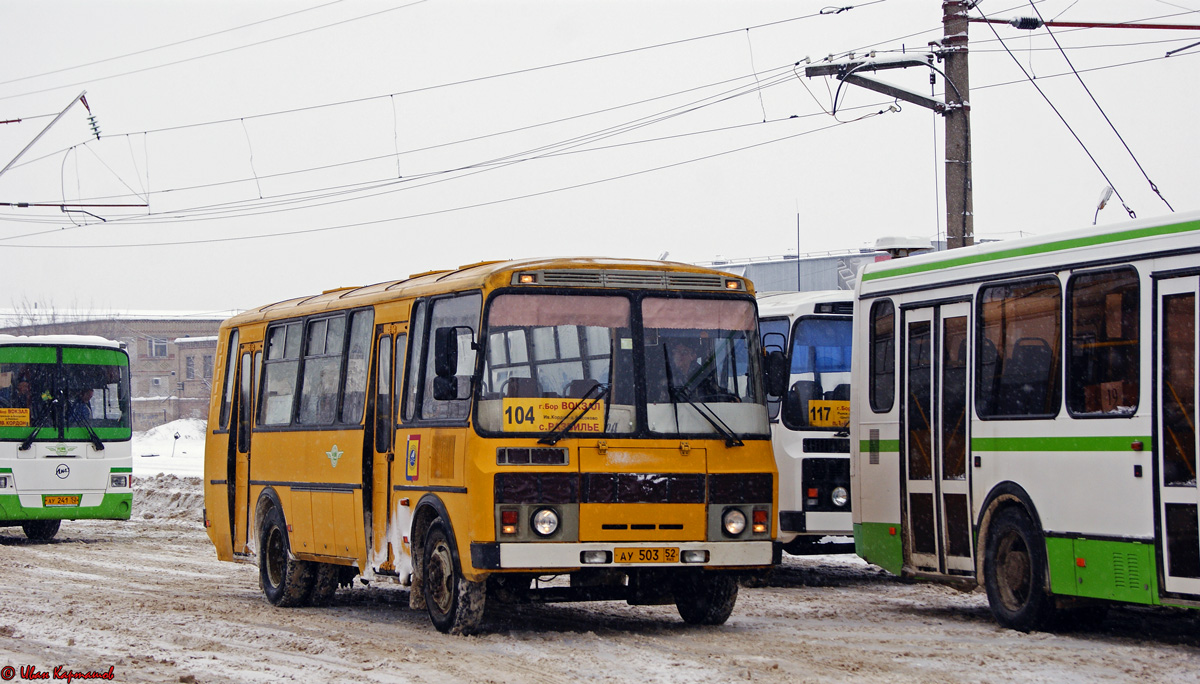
(49, 501)
(667, 554)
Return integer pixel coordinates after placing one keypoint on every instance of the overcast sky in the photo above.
(283, 148)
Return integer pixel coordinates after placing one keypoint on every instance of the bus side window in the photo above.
(1023, 322)
(279, 374)
(383, 395)
(462, 313)
(357, 364)
(882, 368)
(230, 364)
(412, 390)
(1103, 367)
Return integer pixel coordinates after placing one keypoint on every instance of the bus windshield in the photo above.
(86, 392)
(819, 386)
(550, 359)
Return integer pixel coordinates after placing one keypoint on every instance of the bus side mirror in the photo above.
(776, 373)
(445, 389)
(445, 352)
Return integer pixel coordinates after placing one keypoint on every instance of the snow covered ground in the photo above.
(148, 598)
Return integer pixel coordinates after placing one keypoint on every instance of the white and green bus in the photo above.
(1024, 419)
(65, 432)
(810, 423)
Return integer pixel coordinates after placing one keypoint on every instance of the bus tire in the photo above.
(1014, 569)
(326, 577)
(40, 530)
(705, 599)
(285, 581)
(455, 604)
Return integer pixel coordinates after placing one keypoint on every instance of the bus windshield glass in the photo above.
(819, 386)
(550, 359)
(84, 392)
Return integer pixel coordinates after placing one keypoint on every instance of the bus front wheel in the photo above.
(41, 530)
(455, 604)
(286, 581)
(1014, 568)
(704, 599)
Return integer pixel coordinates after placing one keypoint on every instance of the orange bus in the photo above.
(599, 420)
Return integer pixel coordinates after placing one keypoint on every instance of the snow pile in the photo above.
(168, 496)
(159, 451)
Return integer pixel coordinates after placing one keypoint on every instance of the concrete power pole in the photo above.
(960, 218)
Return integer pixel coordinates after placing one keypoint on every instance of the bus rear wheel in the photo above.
(285, 581)
(41, 530)
(455, 604)
(1014, 568)
(705, 599)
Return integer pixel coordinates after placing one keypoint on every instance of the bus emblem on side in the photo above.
(334, 455)
(412, 457)
(62, 471)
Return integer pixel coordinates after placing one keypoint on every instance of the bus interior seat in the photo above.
(1025, 380)
(839, 393)
(802, 392)
(522, 388)
(579, 388)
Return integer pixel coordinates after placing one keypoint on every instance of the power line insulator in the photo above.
(1026, 23)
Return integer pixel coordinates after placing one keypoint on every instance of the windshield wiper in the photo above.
(87, 424)
(49, 411)
(732, 438)
(555, 434)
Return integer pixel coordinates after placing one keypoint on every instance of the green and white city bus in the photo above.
(1024, 418)
(65, 429)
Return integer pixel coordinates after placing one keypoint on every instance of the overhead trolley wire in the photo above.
(1103, 113)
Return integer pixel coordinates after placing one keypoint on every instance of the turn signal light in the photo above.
(508, 522)
(760, 521)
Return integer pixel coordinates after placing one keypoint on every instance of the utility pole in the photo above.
(960, 217)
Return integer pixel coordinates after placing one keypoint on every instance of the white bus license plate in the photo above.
(51, 501)
(668, 554)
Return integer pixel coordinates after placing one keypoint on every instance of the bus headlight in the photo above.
(119, 481)
(545, 522)
(734, 522)
(840, 496)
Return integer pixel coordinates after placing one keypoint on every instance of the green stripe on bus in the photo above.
(1057, 443)
(5, 470)
(112, 507)
(121, 470)
(1044, 248)
(883, 445)
(879, 543)
(28, 354)
(94, 357)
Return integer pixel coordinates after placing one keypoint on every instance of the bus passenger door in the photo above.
(390, 342)
(249, 361)
(934, 422)
(1178, 514)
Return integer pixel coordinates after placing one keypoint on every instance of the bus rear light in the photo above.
(760, 521)
(595, 557)
(694, 556)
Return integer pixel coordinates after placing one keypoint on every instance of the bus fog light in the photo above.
(694, 556)
(840, 496)
(594, 557)
(545, 522)
(734, 522)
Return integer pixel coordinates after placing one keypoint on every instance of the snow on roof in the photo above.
(75, 340)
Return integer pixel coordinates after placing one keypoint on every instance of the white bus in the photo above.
(65, 432)
(1026, 419)
(809, 424)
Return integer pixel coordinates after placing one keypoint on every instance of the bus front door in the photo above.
(934, 426)
(389, 373)
(249, 361)
(1179, 501)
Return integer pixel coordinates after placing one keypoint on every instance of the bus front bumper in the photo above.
(568, 556)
